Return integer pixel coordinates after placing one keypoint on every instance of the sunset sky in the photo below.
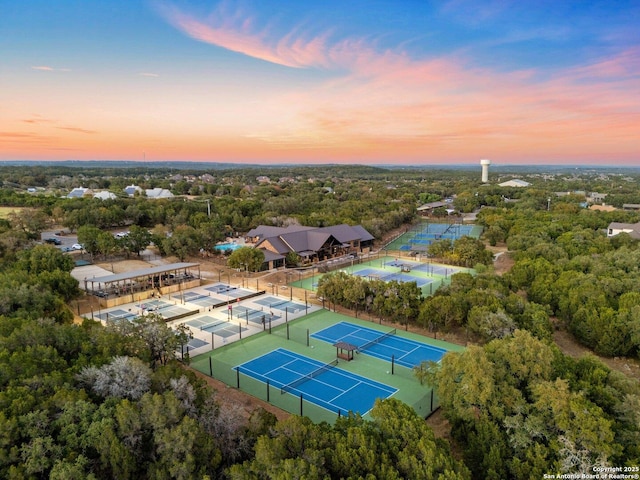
(321, 81)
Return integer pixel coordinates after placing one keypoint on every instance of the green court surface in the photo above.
(221, 362)
(429, 276)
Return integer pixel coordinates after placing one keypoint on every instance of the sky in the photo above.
(321, 81)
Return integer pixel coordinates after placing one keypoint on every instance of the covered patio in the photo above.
(117, 289)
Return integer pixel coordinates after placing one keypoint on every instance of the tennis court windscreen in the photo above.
(362, 348)
(308, 376)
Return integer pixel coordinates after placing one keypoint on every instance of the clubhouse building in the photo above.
(310, 243)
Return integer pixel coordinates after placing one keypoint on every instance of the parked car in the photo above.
(121, 234)
(77, 246)
(53, 241)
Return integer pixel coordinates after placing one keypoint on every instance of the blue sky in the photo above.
(321, 81)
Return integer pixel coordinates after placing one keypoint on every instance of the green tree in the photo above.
(160, 340)
(44, 258)
(246, 259)
(490, 325)
(293, 259)
(183, 242)
(106, 244)
(137, 240)
(88, 237)
(396, 443)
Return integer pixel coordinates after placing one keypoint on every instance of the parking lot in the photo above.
(61, 239)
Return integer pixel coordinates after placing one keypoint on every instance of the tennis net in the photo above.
(379, 339)
(111, 317)
(249, 313)
(278, 304)
(210, 326)
(299, 381)
(164, 306)
(197, 297)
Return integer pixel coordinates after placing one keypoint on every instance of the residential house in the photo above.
(105, 195)
(158, 192)
(615, 228)
(80, 192)
(514, 183)
(131, 190)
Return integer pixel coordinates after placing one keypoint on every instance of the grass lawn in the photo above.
(5, 211)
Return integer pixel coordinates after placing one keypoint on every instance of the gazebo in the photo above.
(345, 350)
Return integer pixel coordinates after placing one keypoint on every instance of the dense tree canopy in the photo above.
(395, 444)
(521, 409)
(83, 400)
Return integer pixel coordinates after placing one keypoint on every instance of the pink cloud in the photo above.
(622, 65)
(236, 32)
(46, 68)
(37, 119)
(77, 129)
(382, 104)
(390, 105)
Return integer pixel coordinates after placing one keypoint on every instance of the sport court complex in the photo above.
(216, 314)
(296, 366)
(292, 354)
(424, 234)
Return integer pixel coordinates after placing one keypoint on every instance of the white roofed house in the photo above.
(516, 182)
(158, 193)
(615, 228)
(131, 190)
(105, 195)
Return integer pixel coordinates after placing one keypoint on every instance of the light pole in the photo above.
(548, 203)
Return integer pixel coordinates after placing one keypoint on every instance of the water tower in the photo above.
(485, 170)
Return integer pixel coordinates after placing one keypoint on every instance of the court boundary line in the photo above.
(340, 371)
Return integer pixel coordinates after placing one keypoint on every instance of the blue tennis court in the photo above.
(280, 304)
(166, 309)
(210, 324)
(117, 314)
(226, 290)
(329, 387)
(405, 352)
(436, 269)
(203, 300)
(195, 343)
(252, 315)
(387, 276)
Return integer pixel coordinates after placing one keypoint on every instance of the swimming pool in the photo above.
(227, 246)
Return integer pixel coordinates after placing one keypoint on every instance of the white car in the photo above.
(121, 234)
(77, 246)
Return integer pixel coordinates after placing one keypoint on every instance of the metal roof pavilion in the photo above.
(142, 272)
